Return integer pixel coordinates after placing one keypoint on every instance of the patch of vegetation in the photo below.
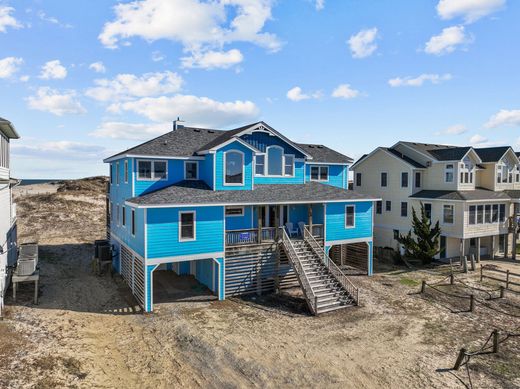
(409, 282)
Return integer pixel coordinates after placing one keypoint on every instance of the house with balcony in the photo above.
(8, 233)
(473, 192)
(243, 211)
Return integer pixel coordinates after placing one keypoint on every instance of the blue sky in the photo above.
(84, 79)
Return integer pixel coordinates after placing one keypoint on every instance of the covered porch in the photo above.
(260, 224)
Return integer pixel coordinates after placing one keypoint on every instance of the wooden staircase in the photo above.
(325, 287)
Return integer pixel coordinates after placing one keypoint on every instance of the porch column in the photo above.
(492, 254)
(259, 212)
(515, 228)
(277, 252)
(309, 217)
(506, 245)
(221, 271)
(276, 221)
(478, 249)
(462, 250)
(370, 268)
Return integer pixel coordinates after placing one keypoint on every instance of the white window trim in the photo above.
(452, 169)
(152, 161)
(386, 208)
(319, 173)
(401, 209)
(118, 216)
(194, 226)
(118, 172)
(415, 179)
(240, 215)
(243, 168)
(444, 222)
(354, 207)
(407, 180)
(293, 165)
(125, 172)
(265, 159)
(197, 176)
(266, 163)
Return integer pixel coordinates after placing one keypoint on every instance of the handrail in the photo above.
(310, 297)
(331, 266)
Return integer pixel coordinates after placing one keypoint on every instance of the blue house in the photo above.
(243, 211)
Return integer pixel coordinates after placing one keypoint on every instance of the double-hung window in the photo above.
(152, 170)
(404, 209)
(126, 172)
(448, 173)
(447, 213)
(388, 206)
(472, 214)
(379, 207)
(187, 226)
(384, 179)
(260, 165)
(288, 165)
(417, 179)
(487, 213)
(117, 173)
(133, 222)
(428, 210)
(502, 213)
(404, 180)
(319, 173)
(123, 214)
(480, 214)
(358, 179)
(191, 170)
(494, 217)
(118, 215)
(350, 216)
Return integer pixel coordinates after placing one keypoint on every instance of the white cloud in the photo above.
(320, 4)
(419, 80)
(447, 41)
(53, 70)
(9, 66)
(470, 10)
(25, 78)
(504, 117)
(53, 20)
(7, 20)
(213, 59)
(456, 129)
(51, 100)
(127, 86)
(363, 43)
(296, 94)
(157, 56)
(201, 111)
(344, 91)
(98, 67)
(478, 140)
(130, 131)
(66, 150)
(199, 26)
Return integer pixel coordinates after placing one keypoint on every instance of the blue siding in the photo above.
(299, 171)
(335, 229)
(175, 174)
(240, 222)
(338, 175)
(220, 168)
(163, 232)
(206, 170)
(204, 272)
(149, 288)
(262, 140)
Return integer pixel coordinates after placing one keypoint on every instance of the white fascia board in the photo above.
(417, 151)
(251, 203)
(229, 141)
(116, 157)
(462, 201)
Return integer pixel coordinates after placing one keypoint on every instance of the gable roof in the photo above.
(450, 154)
(199, 193)
(185, 142)
(7, 128)
(394, 153)
(492, 154)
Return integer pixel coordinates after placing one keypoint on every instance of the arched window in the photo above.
(274, 161)
(234, 162)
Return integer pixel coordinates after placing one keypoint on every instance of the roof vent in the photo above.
(165, 142)
(178, 124)
(319, 147)
(311, 146)
(196, 129)
(211, 132)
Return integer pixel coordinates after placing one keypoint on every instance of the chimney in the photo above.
(178, 124)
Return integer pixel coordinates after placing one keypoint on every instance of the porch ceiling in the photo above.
(198, 193)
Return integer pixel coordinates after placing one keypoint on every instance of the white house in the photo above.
(472, 192)
(8, 248)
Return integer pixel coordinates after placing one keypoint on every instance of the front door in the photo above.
(443, 247)
(269, 215)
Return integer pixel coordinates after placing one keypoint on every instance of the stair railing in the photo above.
(294, 258)
(331, 266)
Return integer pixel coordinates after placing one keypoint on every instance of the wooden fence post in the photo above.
(501, 292)
(423, 286)
(460, 358)
(452, 279)
(481, 275)
(472, 262)
(495, 341)
(507, 279)
(464, 263)
(471, 303)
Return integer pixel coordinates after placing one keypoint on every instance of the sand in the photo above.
(88, 333)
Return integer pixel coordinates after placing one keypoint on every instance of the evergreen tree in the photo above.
(422, 241)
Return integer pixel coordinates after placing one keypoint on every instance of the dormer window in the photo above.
(234, 165)
(466, 172)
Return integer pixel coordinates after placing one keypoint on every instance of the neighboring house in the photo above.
(473, 192)
(8, 248)
(209, 203)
